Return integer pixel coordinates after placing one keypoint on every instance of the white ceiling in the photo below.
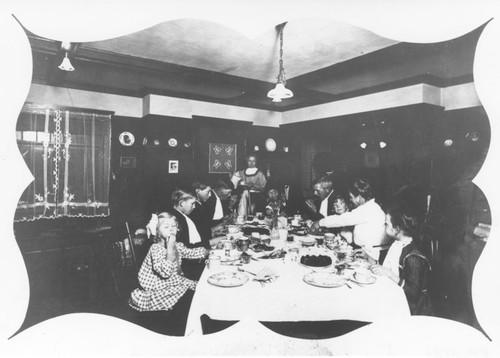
(309, 45)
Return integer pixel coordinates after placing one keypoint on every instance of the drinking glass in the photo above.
(294, 254)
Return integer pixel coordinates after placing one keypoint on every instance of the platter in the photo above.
(324, 279)
(228, 279)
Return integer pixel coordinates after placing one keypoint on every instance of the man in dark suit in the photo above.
(204, 209)
(223, 191)
(322, 206)
(211, 208)
(183, 203)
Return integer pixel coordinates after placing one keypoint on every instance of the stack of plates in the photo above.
(308, 241)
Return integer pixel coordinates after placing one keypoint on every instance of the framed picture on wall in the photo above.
(221, 158)
(173, 166)
(127, 162)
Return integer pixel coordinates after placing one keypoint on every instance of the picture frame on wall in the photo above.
(222, 158)
(128, 162)
(173, 166)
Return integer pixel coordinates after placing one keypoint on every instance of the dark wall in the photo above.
(414, 155)
(413, 164)
(137, 192)
(126, 185)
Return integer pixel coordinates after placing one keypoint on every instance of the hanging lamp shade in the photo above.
(66, 64)
(280, 91)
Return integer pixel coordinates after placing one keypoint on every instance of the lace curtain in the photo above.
(68, 153)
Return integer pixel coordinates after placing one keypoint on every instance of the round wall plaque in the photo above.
(126, 139)
(172, 142)
(270, 145)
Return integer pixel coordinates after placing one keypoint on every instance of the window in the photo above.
(68, 153)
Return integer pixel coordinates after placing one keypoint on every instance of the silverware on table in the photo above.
(241, 270)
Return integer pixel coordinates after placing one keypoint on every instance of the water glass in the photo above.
(213, 262)
(294, 254)
(283, 234)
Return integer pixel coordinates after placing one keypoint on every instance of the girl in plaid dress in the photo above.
(162, 282)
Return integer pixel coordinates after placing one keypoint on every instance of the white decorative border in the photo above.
(85, 334)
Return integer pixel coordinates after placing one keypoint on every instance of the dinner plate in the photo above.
(308, 241)
(228, 279)
(324, 279)
(357, 264)
(364, 279)
(232, 258)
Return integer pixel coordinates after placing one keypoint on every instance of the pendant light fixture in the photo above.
(66, 64)
(280, 91)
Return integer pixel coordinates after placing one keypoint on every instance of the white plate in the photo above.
(126, 138)
(364, 279)
(228, 279)
(307, 241)
(324, 279)
(357, 264)
(172, 142)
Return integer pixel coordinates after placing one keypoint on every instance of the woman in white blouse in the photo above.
(367, 217)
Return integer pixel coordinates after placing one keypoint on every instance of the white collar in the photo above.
(194, 235)
(251, 171)
(328, 195)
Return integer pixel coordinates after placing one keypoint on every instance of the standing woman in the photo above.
(405, 264)
(254, 181)
(163, 286)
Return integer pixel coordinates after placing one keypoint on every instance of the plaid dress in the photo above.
(162, 282)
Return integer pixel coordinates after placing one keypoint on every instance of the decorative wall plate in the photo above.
(270, 145)
(126, 138)
(172, 142)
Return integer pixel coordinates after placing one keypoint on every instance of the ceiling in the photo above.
(324, 61)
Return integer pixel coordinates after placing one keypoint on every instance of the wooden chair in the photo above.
(129, 252)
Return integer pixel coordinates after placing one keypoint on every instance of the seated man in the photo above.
(208, 210)
(323, 207)
(184, 203)
(223, 193)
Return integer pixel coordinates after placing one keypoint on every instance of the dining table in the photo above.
(295, 290)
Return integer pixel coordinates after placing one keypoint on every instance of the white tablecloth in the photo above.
(289, 298)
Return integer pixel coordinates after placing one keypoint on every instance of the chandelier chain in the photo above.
(281, 73)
